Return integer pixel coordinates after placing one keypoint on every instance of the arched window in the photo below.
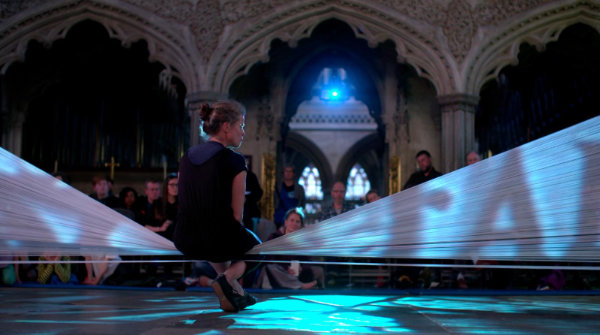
(311, 181)
(358, 183)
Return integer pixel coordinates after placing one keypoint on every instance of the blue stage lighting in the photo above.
(332, 94)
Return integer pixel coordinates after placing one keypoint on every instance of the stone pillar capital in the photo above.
(205, 96)
(458, 101)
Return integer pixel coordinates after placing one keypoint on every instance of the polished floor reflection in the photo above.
(130, 311)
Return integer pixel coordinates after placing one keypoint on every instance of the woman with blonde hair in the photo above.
(212, 187)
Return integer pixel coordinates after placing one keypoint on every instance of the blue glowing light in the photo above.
(552, 201)
(32, 169)
(188, 322)
(13, 243)
(66, 230)
(318, 313)
(8, 164)
(61, 184)
(332, 94)
(154, 316)
(341, 300)
(115, 236)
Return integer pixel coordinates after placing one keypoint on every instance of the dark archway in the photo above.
(300, 152)
(367, 152)
(87, 98)
(546, 92)
(332, 44)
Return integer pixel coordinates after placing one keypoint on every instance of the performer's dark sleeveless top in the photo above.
(206, 228)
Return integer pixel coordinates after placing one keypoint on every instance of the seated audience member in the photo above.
(338, 205)
(55, 273)
(371, 196)
(128, 200)
(25, 272)
(425, 173)
(99, 268)
(7, 271)
(102, 191)
(148, 206)
(202, 275)
(292, 275)
(62, 177)
(165, 207)
(472, 158)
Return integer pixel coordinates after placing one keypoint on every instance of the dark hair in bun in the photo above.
(213, 116)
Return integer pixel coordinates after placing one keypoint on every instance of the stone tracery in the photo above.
(456, 45)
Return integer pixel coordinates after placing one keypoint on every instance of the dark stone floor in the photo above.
(137, 311)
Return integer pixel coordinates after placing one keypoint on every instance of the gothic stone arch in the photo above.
(370, 150)
(306, 147)
(541, 26)
(414, 45)
(167, 42)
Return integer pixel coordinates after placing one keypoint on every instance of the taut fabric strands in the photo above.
(537, 202)
(40, 214)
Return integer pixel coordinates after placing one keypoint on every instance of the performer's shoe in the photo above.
(225, 294)
(243, 301)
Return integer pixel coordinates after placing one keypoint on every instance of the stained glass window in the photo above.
(358, 183)
(311, 181)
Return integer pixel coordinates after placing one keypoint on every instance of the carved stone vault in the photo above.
(455, 45)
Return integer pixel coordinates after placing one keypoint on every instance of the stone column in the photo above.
(267, 176)
(395, 118)
(269, 113)
(12, 117)
(458, 129)
(194, 100)
(12, 136)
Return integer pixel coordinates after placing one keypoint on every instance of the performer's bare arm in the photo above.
(238, 195)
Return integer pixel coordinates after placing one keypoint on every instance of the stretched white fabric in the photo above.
(537, 202)
(40, 214)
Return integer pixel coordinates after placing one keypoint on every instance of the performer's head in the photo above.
(293, 220)
(424, 160)
(224, 121)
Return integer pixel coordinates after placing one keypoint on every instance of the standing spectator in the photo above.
(288, 195)
(425, 173)
(338, 205)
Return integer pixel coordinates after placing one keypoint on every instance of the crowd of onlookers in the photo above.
(156, 210)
